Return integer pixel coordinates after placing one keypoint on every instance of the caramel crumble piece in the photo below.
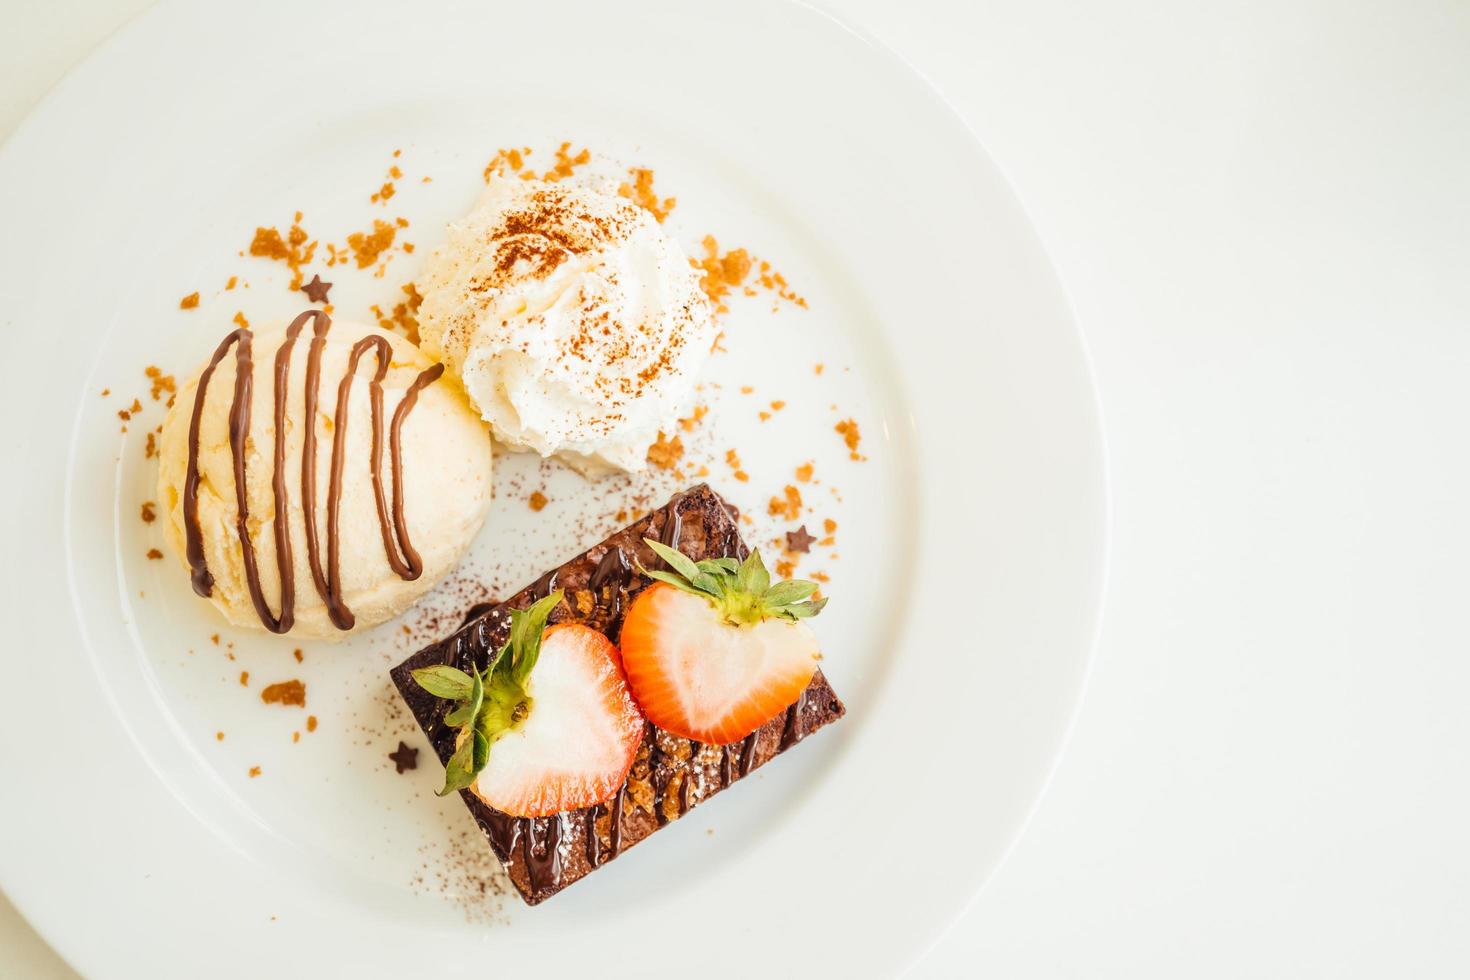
(537, 500)
(848, 429)
(367, 246)
(231, 283)
(640, 192)
(239, 318)
(244, 678)
(746, 389)
(777, 405)
(219, 736)
(732, 459)
(722, 273)
(189, 302)
(154, 554)
(150, 446)
(254, 771)
(787, 506)
(700, 411)
(291, 694)
(384, 193)
(666, 452)
(403, 320)
(295, 737)
(821, 577)
(775, 282)
(830, 526)
(297, 654)
(785, 569)
(804, 473)
(294, 248)
(765, 416)
(311, 723)
(566, 163)
(818, 369)
(506, 162)
(106, 392)
(214, 639)
(149, 516)
(159, 383)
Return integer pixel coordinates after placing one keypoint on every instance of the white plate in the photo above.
(971, 540)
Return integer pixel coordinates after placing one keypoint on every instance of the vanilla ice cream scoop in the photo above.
(320, 477)
(575, 325)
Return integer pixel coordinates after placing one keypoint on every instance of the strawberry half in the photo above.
(548, 726)
(713, 651)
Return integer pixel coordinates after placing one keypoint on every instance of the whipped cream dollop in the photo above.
(574, 324)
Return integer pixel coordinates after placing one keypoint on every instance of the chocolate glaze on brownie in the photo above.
(670, 774)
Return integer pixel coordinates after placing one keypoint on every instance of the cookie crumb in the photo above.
(788, 505)
(641, 193)
(851, 436)
(666, 452)
(290, 693)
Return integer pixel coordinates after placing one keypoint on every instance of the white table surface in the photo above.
(1262, 212)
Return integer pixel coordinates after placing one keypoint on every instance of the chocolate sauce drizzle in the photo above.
(672, 526)
(542, 849)
(686, 784)
(404, 560)
(589, 834)
(791, 732)
(609, 580)
(748, 745)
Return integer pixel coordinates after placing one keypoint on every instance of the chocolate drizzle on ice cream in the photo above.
(402, 557)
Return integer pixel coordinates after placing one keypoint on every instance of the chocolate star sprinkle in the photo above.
(799, 540)
(316, 291)
(405, 758)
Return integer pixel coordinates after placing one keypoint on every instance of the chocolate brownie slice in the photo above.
(670, 774)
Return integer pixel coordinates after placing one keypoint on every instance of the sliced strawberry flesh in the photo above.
(698, 676)
(575, 746)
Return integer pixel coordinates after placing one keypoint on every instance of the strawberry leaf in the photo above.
(801, 610)
(480, 753)
(459, 771)
(678, 582)
(752, 576)
(444, 681)
(469, 708)
(785, 593)
(677, 560)
(741, 591)
(527, 629)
